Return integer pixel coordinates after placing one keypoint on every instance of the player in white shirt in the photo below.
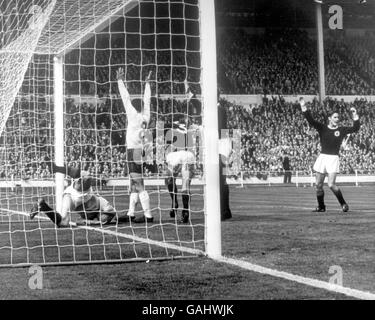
(78, 198)
(137, 124)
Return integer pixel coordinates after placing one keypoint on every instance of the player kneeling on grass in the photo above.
(327, 163)
(78, 198)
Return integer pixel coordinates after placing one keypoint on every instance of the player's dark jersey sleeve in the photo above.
(67, 170)
(194, 108)
(354, 128)
(222, 118)
(312, 122)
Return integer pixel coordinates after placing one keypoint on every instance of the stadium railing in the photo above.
(270, 178)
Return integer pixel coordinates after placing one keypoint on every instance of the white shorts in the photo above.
(94, 207)
(181, 162)
(180, 158)
(327, 163)
(97, 203)
(225, 147)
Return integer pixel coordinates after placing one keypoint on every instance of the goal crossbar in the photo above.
(98, 27)
(54, 41)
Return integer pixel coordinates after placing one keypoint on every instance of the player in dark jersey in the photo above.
(327, 163)
(181, 160)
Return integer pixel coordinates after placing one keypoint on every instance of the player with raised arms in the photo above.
(138, 117)
(327, 163)
(79, 198)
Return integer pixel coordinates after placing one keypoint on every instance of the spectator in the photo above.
(287, 169)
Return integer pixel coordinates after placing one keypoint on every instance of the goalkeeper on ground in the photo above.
(79, 198)
(138, 117)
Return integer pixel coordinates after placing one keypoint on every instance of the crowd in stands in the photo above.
(358, 53)
(285, 62)
(93, 72)
(277, 128)
(95, 138)
(276, 62)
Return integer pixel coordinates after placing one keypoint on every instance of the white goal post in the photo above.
(211, 138)
(65, 106)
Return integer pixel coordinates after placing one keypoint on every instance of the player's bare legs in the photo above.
(320, 192)
(138, 187)
(336, 191)
(133, 200)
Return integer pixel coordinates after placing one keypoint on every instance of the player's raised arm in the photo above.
(193, 104)
(356, 124)
(188, 91)
(315, 124)
(67, 170)
(129, 109)
(302, 103)
(147, 99)
(354, 114)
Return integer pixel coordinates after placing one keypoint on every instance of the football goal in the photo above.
(61, 106)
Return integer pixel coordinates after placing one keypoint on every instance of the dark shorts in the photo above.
(88, 215)
(134, 160)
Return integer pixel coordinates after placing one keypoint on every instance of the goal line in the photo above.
(191, 251)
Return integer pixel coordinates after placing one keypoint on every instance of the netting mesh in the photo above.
(95, 38)
(18, 46)
(72, 20)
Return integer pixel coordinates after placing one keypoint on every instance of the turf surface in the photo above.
(271, 226)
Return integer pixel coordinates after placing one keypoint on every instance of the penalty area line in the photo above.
(363, 295)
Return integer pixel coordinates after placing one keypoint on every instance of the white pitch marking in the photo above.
(364, 295)
(123, 235)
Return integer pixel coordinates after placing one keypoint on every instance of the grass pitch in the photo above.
(271, 226)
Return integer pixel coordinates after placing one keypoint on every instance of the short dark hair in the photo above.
(331, 111)
(82, 184)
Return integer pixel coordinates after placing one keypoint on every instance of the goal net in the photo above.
(60, 100)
